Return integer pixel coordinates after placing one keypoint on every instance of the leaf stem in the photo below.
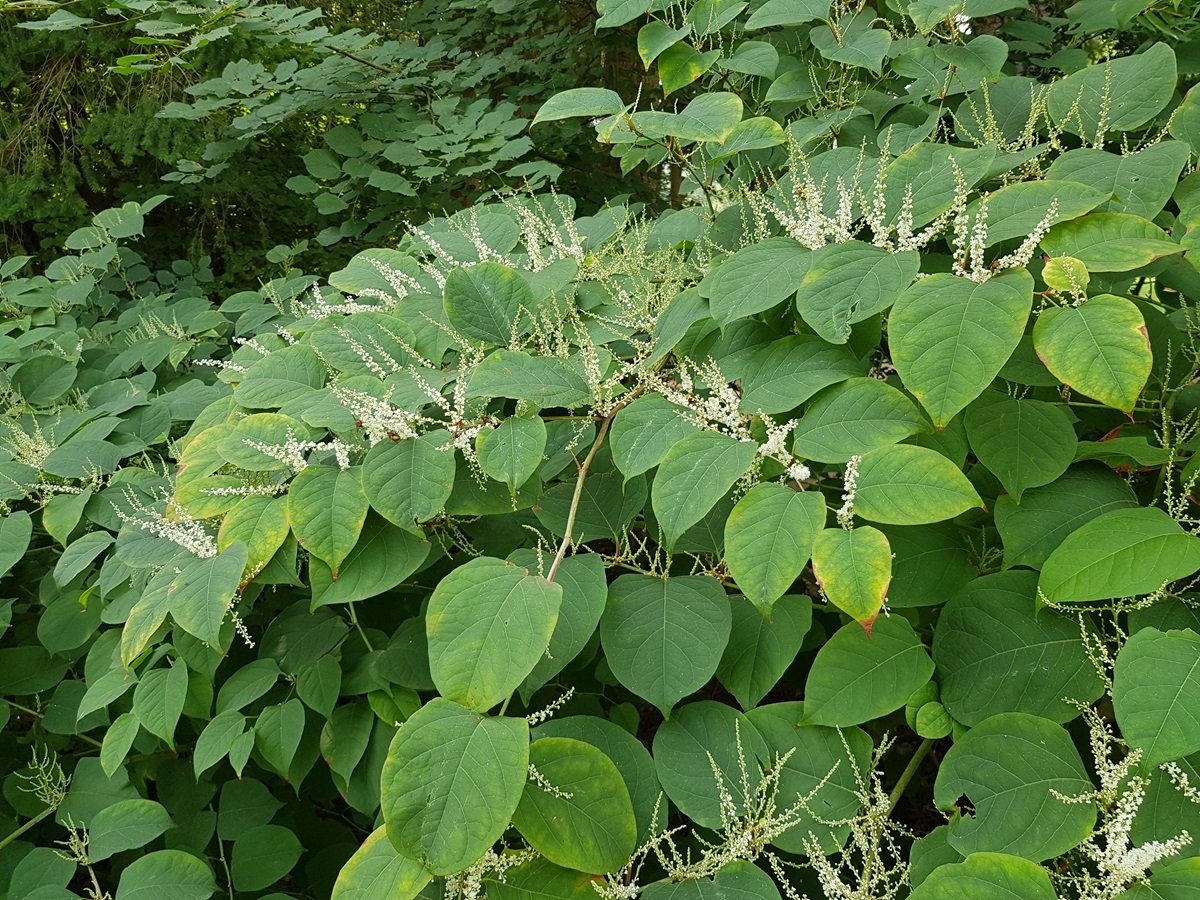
(909, 771)
(583, 471)
(21, 829)
(361, 633)
(37, 715)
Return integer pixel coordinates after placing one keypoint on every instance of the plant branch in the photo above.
(21, 829)
(909, 771)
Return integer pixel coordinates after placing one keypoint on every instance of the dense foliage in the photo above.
(809, 512)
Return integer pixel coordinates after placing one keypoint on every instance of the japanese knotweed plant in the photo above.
(833, 536)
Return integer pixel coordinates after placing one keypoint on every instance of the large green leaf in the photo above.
(327, 508)
(785, 373)
(854, 417)
(488, 624)
(166, 873)
(408, 481)
(709, 117)
(451, 782)
(488, 301)
(1131, 91)
(850, 282)
(663, 637)
(1032, 529)
(853, 568)
(539, 878)
(1156, 693)
(644, 431)
(1100, 348)
(858, 676)
(281, 377)
(15, 531)
(1177, 879)
(1016, 210)
(997, 652)
(1110, 241)
(383, 557)
(694, 475)
(1025, 443)
(200, 594)
(908, 485)
(760, 650)
(1140, 183)
(377, 870)
(577, 813)
(776, 13)
(768, 540)
(756, 278)
(950, 336)
(544, 380)
(1007, 766)
(581, 103)
(1120, 553)
(987, 876)
(513, 451)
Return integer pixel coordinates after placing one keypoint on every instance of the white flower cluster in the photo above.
(182, 530)
(294, 452)
(970, 242)
(468, 884)
(379, 419)
(546, 242)
(845, 513)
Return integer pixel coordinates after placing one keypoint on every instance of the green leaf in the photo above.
(757, 133)
(263, 855)
(383, 557)
(166, 873)
(513, 451)
(821, 769)
(785, 373)
(488, 624)
(15, 531)
(663, 637)
(279, 378)
(643, 432)
(538, 879)
(581, 102)
(708, 118)
(741, 880)
(768, 540)
(1131, 90)
(682, 747)
(158, 700)
(908, 485)
(858, 676)
(1024, 443)
(1140, 183)
(653, 38)
(617, 12)
(697, 472)
(1007, 766)
(850, 282)
(1100, 348)
(987, 876)
(277, 734)
(1110, 241)
(377, 870)
(544, 380)
(578, 813)
(488, 301)
(408, 481)
(584, 592)
(1016, 211)
(760, 650)
(784, 13)
(1173, 880)
(1032, 529)
(755, 278)
(261, 524)
(1156, 693)
(126, 825)
(950, 336)
(928, 14)
(117, 740)
(327, 508)
(451, 782)
(855, 43)
(853, 569)
(997, 652)
(929, 563)
(215, 740)
(854, 417)
(1120, 553)
(680, 64)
